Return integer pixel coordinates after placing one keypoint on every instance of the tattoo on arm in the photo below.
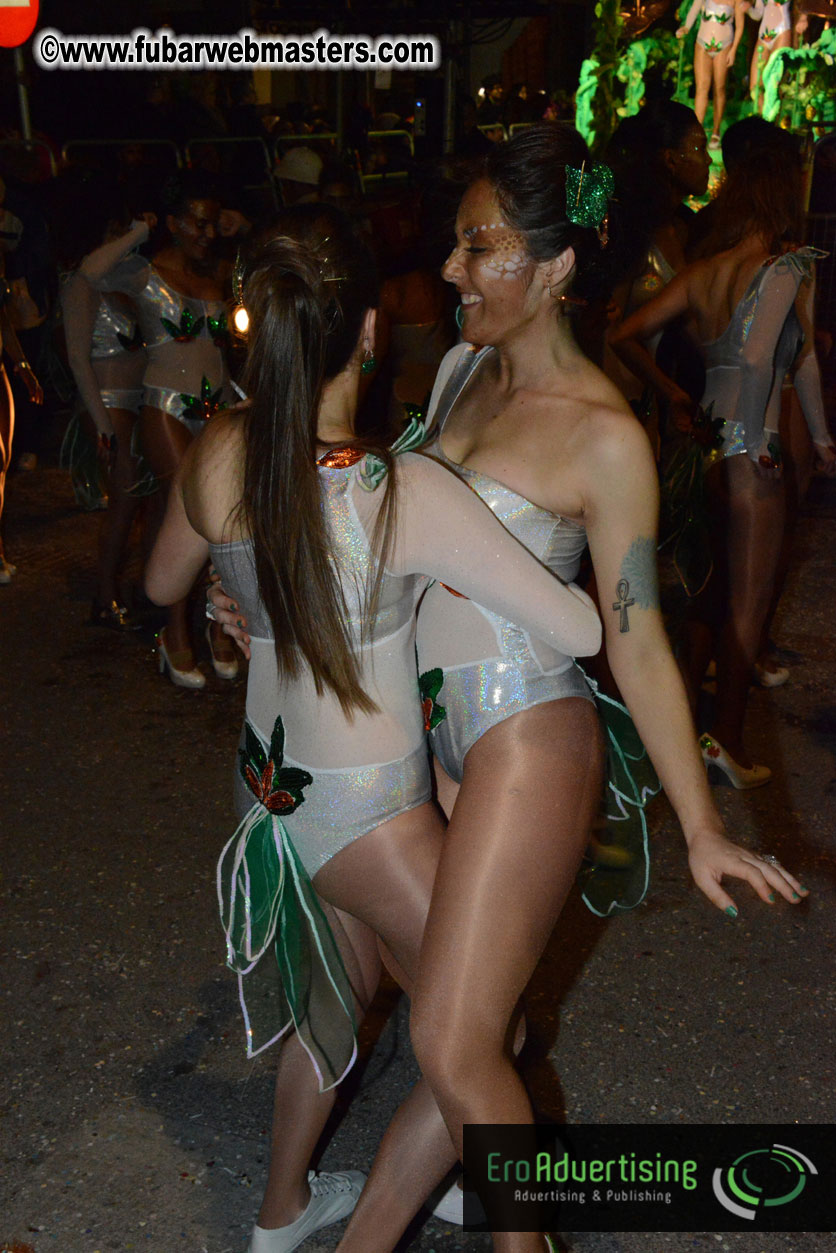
(638, 584)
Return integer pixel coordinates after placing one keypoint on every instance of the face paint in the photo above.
(490, 267)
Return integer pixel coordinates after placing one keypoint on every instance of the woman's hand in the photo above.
(106, 449)
(681, 32)
(711, 857)
(232, 223)
(226, 613)
(683, 412)
(826, 459)
(26, 374)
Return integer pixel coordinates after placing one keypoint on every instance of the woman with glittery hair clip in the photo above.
(326, 542)
(750, 304)
(549, 444)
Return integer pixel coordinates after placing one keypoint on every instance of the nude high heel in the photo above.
(741, 777)
(179, 677)
(223, 669)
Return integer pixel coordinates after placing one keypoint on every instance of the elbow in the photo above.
(593, 641)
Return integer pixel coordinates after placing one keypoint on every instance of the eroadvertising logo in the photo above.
(762, 1177)
(643, 1177)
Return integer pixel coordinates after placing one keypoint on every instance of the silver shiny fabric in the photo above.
(356, 786)
(483, 692)
(111, 322)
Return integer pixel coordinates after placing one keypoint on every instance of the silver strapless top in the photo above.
(159, 303)
(556, 541)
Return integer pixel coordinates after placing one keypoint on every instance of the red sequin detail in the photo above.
(427, 707)
(341, 458)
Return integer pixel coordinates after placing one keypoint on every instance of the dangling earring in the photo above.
(459, 316)
(369, 362)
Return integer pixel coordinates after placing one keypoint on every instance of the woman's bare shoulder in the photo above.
(212, 475)
(612, 436)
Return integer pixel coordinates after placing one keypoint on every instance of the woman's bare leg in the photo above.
(164, 443)
(380, 885)
(759, 63)
(530, 791)
(121, 508)
(702, 81)
(798, 459)
(720, 73)
(753, 508)
(300, 1110)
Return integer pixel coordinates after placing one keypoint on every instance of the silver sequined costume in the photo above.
(493, 667)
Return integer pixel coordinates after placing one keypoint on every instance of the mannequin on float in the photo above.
(718, 37)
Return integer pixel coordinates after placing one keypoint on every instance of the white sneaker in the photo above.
(333, 1196)
(450, 1205)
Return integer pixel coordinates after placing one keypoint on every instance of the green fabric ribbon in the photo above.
(372, 470)
(267, 902)
(630, 782)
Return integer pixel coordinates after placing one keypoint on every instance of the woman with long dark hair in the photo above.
(749, 304)
(322, 540)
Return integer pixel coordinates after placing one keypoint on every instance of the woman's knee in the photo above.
(453, 1055)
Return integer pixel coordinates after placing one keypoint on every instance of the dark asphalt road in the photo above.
(130, 1116)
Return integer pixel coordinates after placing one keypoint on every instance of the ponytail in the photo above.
(306, 294)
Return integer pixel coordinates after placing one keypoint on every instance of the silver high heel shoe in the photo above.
(741, 777)
(180, 678)
(223, 669)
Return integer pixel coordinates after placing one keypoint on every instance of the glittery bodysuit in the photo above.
(746, 365)
(492, 666)
(104, 348)
(775, 20)
(365, 771)
(716, 30)
(186, 373)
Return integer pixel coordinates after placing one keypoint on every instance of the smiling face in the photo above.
(491, 270)
(194, 230)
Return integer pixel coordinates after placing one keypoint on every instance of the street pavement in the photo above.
(131, 1118)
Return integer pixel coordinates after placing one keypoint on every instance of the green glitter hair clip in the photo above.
(588, 192)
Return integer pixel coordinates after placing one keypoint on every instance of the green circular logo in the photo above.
(762, 1178)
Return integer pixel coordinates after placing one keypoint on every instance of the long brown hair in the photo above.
(763, 194)
(307, 287)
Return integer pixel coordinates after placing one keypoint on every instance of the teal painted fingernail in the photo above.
(771, 898)
(232, 606)
(240, 623)
(731, 911)
(796, 897)
(803, 889)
